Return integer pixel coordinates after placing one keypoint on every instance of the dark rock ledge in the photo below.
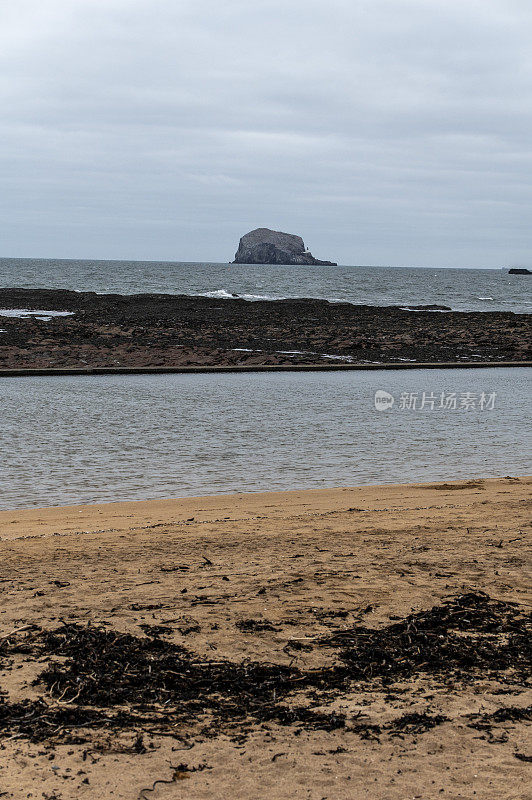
(157, 330)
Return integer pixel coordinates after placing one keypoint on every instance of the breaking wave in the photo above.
(223, 294)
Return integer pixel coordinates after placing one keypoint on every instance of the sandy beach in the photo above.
(272, 645)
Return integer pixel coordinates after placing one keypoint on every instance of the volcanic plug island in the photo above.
(264, 246)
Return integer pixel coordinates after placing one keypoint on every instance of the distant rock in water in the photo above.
(427, 308)
(263, 246)
(519, 271)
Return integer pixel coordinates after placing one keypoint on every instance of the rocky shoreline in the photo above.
(156, 330)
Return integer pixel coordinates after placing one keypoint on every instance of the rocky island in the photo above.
(263, 246)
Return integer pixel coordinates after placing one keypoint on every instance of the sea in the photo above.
(459, 289)
(93, 439)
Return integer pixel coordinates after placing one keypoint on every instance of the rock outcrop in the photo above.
(519, 271)
(263, 246)
(180, 331)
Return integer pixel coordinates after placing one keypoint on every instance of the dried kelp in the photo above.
(459, 639)
(100, 678)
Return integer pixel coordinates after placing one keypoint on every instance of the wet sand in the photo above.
(268, 579)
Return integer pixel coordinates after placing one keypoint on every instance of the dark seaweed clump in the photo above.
(37, 721)
(106, 669)
(469, 634)
(502, 715)
(111, 679)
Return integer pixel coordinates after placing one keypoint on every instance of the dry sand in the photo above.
(368, 554)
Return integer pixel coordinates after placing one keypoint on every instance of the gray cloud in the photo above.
(382, 131)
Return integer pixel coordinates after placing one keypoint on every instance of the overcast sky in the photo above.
(382, 131)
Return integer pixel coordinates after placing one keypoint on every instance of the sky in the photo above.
(382, 131)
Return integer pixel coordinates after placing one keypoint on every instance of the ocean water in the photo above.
(463, 290)
(102, 438)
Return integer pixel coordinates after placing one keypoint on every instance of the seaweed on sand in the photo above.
(103, 678)
(37, 721)
(468, 635)
(106, 669)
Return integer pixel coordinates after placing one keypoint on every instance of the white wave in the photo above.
(220, 294)
(484, 298)
(260, 297)
(24, 312)
(244, 350)
(223, 294)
